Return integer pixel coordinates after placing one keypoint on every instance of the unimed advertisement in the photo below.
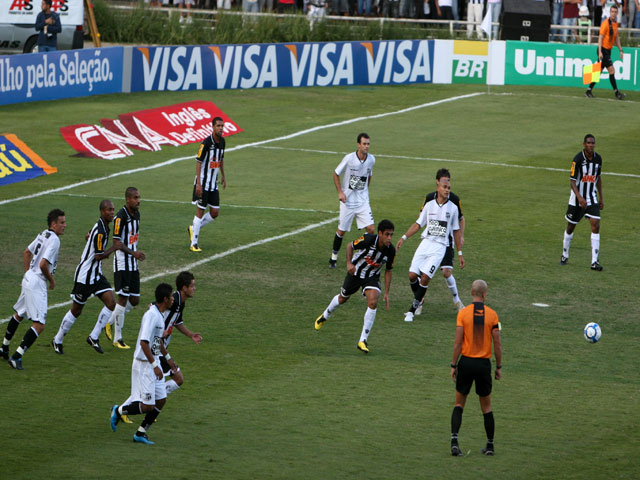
(533, 63)
(218, 67)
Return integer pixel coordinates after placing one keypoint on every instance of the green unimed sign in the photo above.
(555, 64)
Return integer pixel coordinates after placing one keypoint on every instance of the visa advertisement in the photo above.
(281, 65)
(18, 162)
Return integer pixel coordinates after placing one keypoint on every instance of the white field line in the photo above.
(155, 200)
(441, 160)
(214, 257)
(240, 147)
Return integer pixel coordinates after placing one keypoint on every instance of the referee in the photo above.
(477, 326)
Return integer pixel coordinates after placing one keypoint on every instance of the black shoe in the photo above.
(564, 260)
(332, 263)
(488, 450)
(596, 266)
(620, 95)
(95, 344)
(57, 347)
(455, 449)
(588, 94)
(4, 352)
(16, 363)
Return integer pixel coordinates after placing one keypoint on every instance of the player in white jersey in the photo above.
(148, 390)
(209, 166)
(440, 217)
(585, 199)
(353, 192)
(126, 276)
(89, 280)
(40, 261)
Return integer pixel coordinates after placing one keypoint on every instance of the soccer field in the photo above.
(265, 395)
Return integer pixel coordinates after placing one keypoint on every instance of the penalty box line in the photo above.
(240, 147)
(217, 256)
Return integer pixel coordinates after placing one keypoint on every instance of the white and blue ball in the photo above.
(592, 332)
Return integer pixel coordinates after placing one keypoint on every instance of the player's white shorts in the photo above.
(427, 258)
(32, 302)
(362, 214)
(145, 387)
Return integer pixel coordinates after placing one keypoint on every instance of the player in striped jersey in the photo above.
(585, 199)
(440, 217)
(365, 258)
(40, 261)
(126, 276)
(89, 280)
(209, 166)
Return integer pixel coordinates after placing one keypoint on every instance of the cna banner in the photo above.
(215, 67)
(18, 162)
(64, 74)
(148, 130)
(534, 63)
(71, 12)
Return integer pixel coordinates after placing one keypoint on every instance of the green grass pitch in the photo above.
(267, 397)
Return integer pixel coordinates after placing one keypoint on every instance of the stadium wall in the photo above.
(67, 74)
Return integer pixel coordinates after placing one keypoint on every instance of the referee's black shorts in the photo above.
(474, 369)
(606, 58)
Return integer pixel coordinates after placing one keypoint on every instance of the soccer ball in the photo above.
(592, 332)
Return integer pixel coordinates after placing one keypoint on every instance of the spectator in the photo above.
(340, 7)
(556, 19)
(250, 6)
(223, 4)
(48, 25)
(364, 7)
(474, 16)
(316, 11)
(496, 7)
(632, 9)
(444, 9)
(187, 17)
(570, 18)
(390, 8)
(584, 22)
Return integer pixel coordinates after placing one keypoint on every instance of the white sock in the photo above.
(595, 246)
(453, 288)
(103, 318)
(197, 223)
(334, 256)
(206, 219)
(171, 385)
(117, 318)
(128, 307)
(65, 326)
(369, 318)
(566, 243)
(332, 306)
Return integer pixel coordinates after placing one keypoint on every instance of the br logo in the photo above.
(21, 5)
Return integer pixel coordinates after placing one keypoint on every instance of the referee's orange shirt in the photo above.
(478, 321)
(608, 40)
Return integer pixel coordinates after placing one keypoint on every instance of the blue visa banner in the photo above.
(53, 75)
(216, 67)
(18, 162)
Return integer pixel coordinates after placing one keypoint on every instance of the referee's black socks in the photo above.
(456, 421)
(489, 426)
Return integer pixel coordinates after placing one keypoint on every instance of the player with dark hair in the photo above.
(585, 199)
(148, 390)
(607, 38)
(477, 327)
(353, 192)
(209, 166)
(365, 258)
(89, 280)
(446, 266)
(40, 260)
(126, 276)
(440, 217)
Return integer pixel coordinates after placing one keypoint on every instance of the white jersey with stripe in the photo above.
(355, 178)
(440, 221)
(45, 246)
(173, 316)
(89, 270)
(151, 330)
(210, 156)
(126, 228)
(586, 173)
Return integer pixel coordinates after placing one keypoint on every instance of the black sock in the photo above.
(614, 84)
(591, 85)
(337, 243)
(456, 421)
(28, 339)
(132, 409)
(414, 286)
(418, 296)
(489, 426)
(149, 418)
(11, 328)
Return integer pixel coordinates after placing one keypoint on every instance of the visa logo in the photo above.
(258, 61)
(171, 68)
(401, 63)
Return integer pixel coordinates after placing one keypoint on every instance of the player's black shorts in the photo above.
(352, 284)
(575, 213)
(127, 283)
(606, 58)
(209, 199)
(81, 291)
(474, 369)
(447, 260)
